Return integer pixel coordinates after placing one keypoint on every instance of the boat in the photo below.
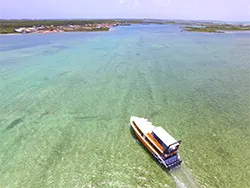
(160, 143)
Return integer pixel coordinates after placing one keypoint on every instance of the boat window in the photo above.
(159, 140)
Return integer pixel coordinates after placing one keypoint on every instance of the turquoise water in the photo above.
(66, 100)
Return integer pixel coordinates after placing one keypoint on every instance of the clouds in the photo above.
(141, 2)
(146, 6)
(136, 3)
(130, 4)
(161, 3)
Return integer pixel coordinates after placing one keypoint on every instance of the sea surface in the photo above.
(66, 100)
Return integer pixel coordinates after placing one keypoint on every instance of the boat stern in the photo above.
(173, 162)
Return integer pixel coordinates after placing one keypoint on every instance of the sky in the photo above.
(223, 10)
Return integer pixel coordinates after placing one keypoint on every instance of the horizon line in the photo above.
(165, 19)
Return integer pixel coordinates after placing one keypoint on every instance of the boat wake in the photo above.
(183, 179)
(179, 183)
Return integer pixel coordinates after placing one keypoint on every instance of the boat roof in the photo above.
(164, 136)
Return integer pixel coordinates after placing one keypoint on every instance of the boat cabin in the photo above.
(168, 143)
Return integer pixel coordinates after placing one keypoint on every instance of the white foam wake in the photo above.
(183, 179)
(179, 183)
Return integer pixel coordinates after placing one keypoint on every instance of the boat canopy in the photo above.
(166, 138)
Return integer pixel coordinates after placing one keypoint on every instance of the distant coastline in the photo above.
(54, 26)
(216, 28)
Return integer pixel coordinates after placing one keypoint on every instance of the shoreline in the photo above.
(215, 28)
(53, 27)
(219, 31)
(2, 34)
(59, 31)
(50, 32)
(58, 26)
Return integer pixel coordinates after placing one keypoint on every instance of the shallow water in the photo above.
(66, 100)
